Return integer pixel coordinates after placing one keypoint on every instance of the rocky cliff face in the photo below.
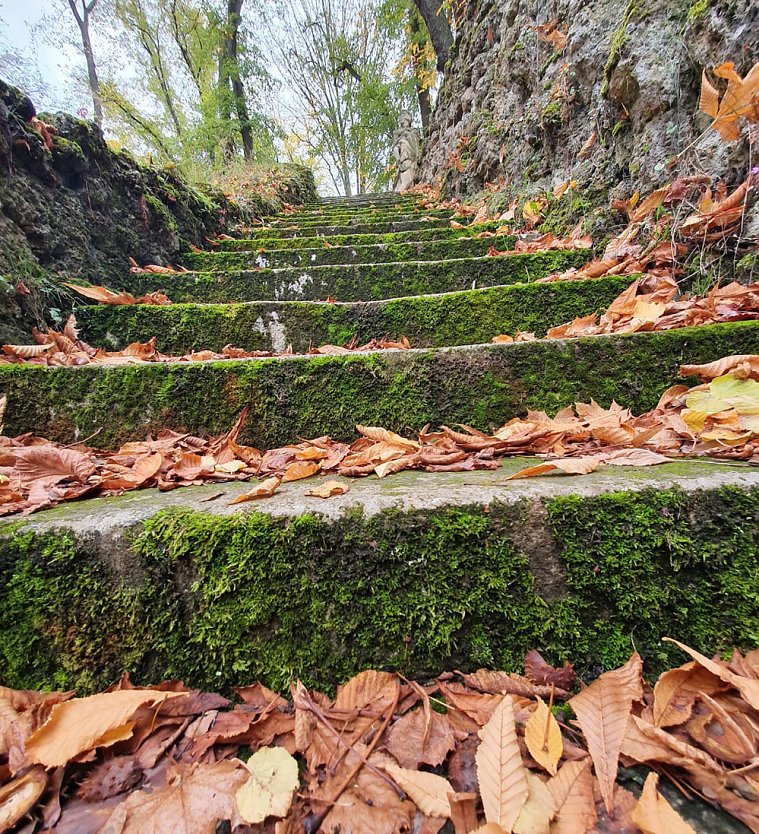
(609, 106)
(70, 206)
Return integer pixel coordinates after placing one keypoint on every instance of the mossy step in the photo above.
(243, 244)
(459, 318)
(418, 572)
(308, 396)
(352, 282)
(430, 250)
(336, 218)
(320, 230)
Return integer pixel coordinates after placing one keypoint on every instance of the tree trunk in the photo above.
(232, 71)
(83, 21)
(422, 92)
(438, 27)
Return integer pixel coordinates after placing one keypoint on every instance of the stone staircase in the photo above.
(418, 571)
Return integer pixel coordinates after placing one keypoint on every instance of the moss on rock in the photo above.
(312, 395)
(222, 601)
(461, 318)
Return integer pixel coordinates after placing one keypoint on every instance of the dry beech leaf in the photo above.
(748, 687)
(490, 828)
(572, 791)
(380, 435)
(19, 796)
(543, 738)
(501, 774)
(192, 802)
(676, 692)
(82, 724)
(418, 739)
(602, 710)
(569, 466)
(299, 470)
(654, 815)
(329, 489)
(427, 791)
(270, 786)
(265, 489)
(537, 812)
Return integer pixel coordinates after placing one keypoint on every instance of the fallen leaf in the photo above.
(538, 811)
(654, 815)
(569, 466)
(428, 791)
(602, 711)
(500, 771)
(329, 489)
(270, 786)
(572, 791)
(265, 489)
(543, 737)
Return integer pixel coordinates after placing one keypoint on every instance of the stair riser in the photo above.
(310, 396)
(337, 218)
(377, 253)
(253, 245)
(353, 282)
(320, 230)
(220, 601)
(470, 317)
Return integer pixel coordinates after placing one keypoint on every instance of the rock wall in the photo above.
(513, 106)
(71, 206)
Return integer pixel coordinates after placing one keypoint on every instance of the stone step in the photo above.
(459, 318)
(364, 199)
(420, 572)
(336, 217)
(429, 250)
(243, 244)
(353, 282)
(307, 396)
(320, 230)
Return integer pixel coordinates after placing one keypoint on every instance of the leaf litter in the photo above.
(717, 419)
(378, 758)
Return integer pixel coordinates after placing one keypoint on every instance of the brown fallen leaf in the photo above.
(654, 815)
(572, 791)
(19, 795)
(265, 489)
(569, 466)
(427, 791)
(602, 711)
(329, 489)
(82, 724)
(501, 774)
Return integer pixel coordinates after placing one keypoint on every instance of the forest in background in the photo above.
(214, 86)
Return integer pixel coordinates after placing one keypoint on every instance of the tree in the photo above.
(83, 11)
(229, 73)
(337, 59)
(439, 27)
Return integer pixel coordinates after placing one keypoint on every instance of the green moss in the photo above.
(354, 282)
(160, 212)
(220, 601)
(619, 39)
(697, 10)
(310, 396)
(467, 317)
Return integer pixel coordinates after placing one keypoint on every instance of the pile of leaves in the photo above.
(655, 303)
(65, 348)
(488, 751)
(719, 418)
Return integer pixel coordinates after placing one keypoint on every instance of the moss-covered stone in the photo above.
(220, 601)
(351, 239)
(461, 318)
(306, 219)
(313, 395)
(429, 250)
(379, 227)
(353, 282)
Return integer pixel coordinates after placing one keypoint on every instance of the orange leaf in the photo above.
(602, 711)
(300, 469)
(572, 791)
(654, 815)
(676, 691)
(329, 489)
(709, 100)
(543, 737)
(500, 772)
(570, 466)
(265, 489)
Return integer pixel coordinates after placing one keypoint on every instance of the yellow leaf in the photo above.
(500, 772)
(537, 813)
(270, 787)
(654, 815)
(427, 791)
(543, 738)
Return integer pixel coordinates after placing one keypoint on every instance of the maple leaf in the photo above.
(602, 711)
(741, 99)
